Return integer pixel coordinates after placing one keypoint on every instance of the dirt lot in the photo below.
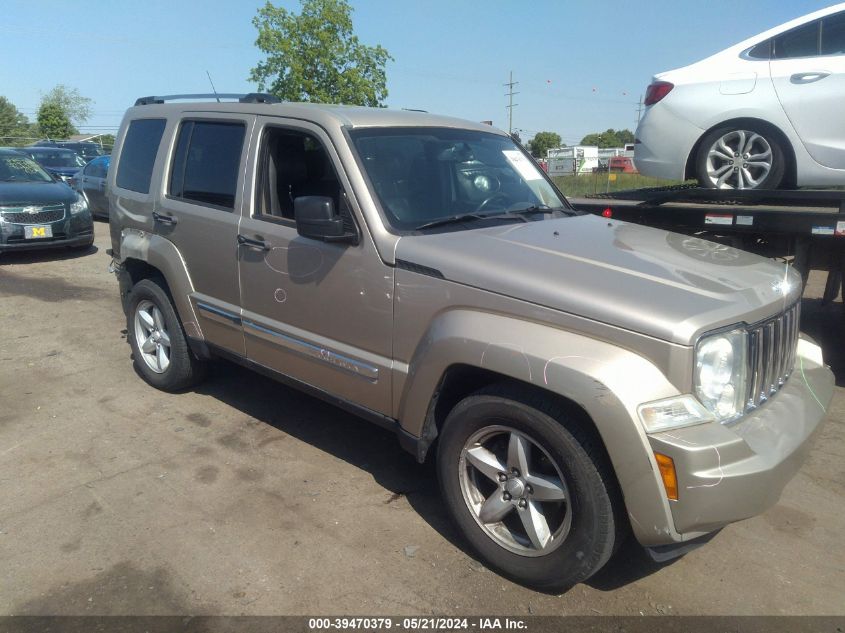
(247, 497)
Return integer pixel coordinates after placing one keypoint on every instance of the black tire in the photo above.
(185, 370)
(777, 173)
(597, 517)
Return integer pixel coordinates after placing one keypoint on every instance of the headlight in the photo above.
(720, 374)
(79, 206)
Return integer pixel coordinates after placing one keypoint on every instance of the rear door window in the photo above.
(206, 162)
(833, 34)
(139, 154)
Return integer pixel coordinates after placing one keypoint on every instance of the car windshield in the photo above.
(21, 169)
(422, 175)
(59, 159)
(87, 151)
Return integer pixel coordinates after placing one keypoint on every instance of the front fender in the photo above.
(608, 382)
(163, 255)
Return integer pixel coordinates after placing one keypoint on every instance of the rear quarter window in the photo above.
(802, 41)
(138, 155)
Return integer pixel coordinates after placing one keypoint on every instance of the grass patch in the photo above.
(589, 184)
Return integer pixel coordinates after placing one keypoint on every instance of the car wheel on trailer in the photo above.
(159, 347)
(530, 487)
(740, 158)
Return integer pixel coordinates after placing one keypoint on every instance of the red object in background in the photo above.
(621, 164)
(607, 213)
(544, 165)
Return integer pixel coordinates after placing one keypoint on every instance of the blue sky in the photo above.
(581, 66)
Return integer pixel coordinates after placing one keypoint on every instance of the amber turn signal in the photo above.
(667, 473)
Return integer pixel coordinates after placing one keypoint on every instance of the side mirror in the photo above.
(316, 219)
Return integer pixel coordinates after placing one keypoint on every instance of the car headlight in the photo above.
(720, 373)
(79, 206)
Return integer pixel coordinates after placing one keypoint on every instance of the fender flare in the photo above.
(163, 255)
(605, 380)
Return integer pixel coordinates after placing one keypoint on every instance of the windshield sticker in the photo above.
(822, 230)
(718, 218)
(23, 164)
(524, 166)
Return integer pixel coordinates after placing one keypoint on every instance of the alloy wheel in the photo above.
(515, 491)
(740, 159)
(152, 337)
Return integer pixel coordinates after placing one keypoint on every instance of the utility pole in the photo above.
(511, 105)
(639, 110)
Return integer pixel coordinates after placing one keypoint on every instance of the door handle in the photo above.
(808, 77)
(251, 243)
(164, 219)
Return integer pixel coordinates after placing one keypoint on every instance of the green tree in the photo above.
(609, 138)
(15, 128)
(53, 122)
(315, 56)
(75, 107)
(543, 142)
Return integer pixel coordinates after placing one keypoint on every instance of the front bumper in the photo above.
(729, 473)
(72, 230)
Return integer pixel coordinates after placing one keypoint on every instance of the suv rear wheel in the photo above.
(529, 488)
(159, 346)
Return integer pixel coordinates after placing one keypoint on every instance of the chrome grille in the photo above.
(771, 355)
(34, 214)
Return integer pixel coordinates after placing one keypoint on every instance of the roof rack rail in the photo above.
(252, 97)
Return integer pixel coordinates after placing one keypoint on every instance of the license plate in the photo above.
(37, 232)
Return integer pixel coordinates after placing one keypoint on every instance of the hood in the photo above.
(666, 285)
(35, 193)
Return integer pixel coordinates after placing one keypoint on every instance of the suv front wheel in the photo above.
(529, 487)
(159, 347)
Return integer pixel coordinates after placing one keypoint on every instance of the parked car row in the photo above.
(38, 209)
(86, 149)
(49, 194)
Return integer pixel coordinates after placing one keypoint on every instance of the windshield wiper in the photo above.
(464, 217)
(541, 208)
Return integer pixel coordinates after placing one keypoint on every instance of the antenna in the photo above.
(213, 89)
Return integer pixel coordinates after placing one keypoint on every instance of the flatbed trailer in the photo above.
(803, 227)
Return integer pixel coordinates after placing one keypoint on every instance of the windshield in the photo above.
(86, 150)
(21, 169)
(421, 175)
(61, 159)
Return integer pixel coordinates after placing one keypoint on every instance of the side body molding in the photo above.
(608, 382)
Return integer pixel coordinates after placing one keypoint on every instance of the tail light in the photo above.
(656, 91)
